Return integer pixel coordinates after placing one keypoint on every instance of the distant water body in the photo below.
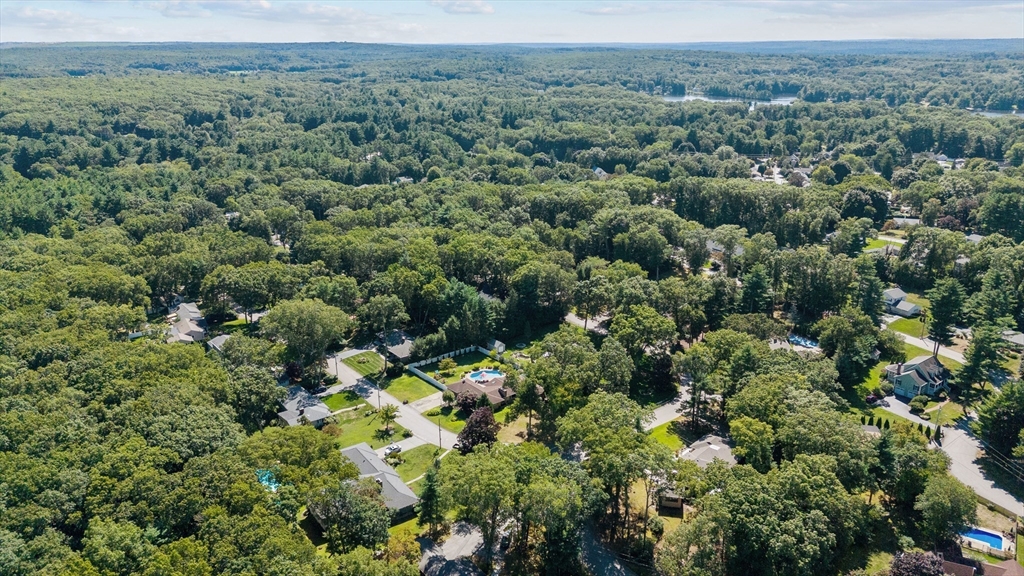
(787, 100)
(780, 101)
(995, 113)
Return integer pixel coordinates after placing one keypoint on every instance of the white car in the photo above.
(392, 449)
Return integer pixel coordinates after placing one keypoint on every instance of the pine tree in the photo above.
(431, 507)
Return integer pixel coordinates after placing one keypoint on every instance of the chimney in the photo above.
(899, 368)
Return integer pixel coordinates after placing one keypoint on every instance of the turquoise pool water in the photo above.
(485, 374)
(994, 540)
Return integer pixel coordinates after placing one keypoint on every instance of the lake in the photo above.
(780, 101)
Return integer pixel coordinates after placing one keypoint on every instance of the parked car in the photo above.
(871, 399)
(392, 449)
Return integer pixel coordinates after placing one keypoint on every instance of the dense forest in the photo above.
(465, 194)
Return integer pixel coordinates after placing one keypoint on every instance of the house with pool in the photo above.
(485, 382)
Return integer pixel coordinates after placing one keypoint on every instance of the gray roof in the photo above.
(894, 294)
(396, 494)
(924, 369)
(908, 307)
(708, 449)
(975, 238)
(300, 403)
(188, 310)
(399, 344)
(906, 221)
(1014, 337)
(717, 247)
(217, 343)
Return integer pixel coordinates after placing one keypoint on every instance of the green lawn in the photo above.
(356, 427)
(909, 326)
(345, 399)
(415, 462)
(454, 420)
(672, 434)
(878, 243)
(365, 363)
(231, 327)
(408, 387)
(918, 299)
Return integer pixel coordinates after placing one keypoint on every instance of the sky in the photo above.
(496, 21)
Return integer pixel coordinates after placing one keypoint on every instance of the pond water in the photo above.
(995, 113)
(779, 101)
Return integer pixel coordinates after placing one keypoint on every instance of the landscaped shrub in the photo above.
(395, 370)
(918, 403)
(887, 388)
(406, 433)
(330, 380)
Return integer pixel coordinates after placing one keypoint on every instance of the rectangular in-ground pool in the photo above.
(994, 540)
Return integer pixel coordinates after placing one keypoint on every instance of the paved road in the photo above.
(929, 345)
(669, 411)
(599, 560)
(594, 324)
(963, 449)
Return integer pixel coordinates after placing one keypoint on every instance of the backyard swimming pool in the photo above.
(484, 375)
(992, 539)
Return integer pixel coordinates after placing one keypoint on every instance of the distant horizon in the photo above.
(501, 22)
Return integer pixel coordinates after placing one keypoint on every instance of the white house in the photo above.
(896, 303)
(187, 324)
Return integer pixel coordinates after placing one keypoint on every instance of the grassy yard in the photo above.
(514, 432)
(879, 243)
(453, 420)
(344, 399)
(408, 387)
(672, 434)
(919, 299)
(356, 427)
(231, 327)
(416, 461)
(365, 363)
(909, 326)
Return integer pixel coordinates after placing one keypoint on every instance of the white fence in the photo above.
(414, 367)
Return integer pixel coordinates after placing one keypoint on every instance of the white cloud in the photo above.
(463, 6)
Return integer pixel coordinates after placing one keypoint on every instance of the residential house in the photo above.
(489, 385)
(399, 345)
(708, 449)
(703, 452)
(217, 343)
(397, 496)
(1014, 339)
(299, 406)
(893, 296)
(896, 303)
(601, 174)
(974, 238)
(902, 222)
(187, 324)
(922, 375)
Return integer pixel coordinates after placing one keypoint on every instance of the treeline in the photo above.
(950, 77)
